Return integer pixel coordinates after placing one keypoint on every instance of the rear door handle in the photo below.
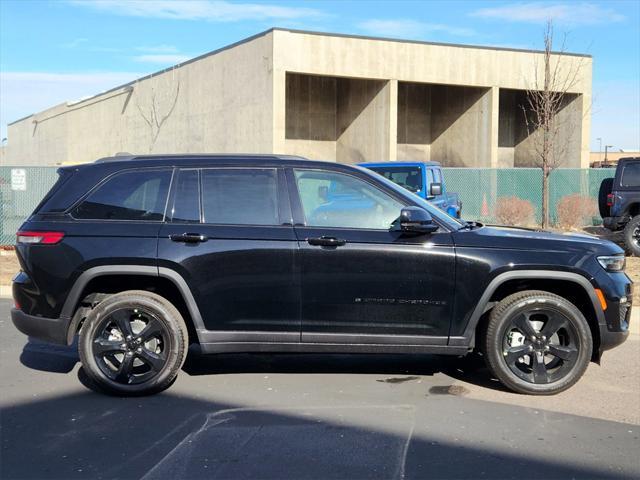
(188, 237)
(326, 241)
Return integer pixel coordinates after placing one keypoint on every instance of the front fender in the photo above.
(467, 338)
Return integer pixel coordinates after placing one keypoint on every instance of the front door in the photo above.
(360, 281)
(229, 235)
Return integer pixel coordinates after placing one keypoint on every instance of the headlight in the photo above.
(613, 263)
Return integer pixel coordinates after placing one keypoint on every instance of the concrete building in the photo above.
(323, 96)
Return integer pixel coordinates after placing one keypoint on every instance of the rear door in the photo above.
(229, 234)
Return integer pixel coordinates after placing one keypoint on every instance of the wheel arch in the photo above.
(554, 282)
(115, 278)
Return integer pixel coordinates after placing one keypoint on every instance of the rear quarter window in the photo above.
(631, 175)
(135, 195)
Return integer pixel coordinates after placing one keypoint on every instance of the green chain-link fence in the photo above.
(481, 190)
(21, 189)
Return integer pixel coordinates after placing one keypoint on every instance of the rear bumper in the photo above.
(614, 223)
(52, 330)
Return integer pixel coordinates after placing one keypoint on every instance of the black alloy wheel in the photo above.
(632, 236)
(130, 346)
(133, 343)
(537, 343)
(540, 346)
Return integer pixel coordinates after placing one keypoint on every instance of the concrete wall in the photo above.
(418, 63)
(219, 103)
(449, 124)
(340, 119)
(519, 144)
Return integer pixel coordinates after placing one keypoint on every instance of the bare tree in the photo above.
(158, 109)
(549, 94)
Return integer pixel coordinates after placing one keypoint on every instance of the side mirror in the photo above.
(416, 220)
(435, 189)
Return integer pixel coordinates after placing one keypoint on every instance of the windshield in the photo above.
(407, 177)
(442, 216)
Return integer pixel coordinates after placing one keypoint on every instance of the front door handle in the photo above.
(188, 237)
(326, 241)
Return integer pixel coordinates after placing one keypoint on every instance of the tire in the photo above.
(632, 236)
(145, 361)
(523, 364)
(606, 187)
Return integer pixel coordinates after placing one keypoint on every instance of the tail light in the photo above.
(41, 238)
(611, 199)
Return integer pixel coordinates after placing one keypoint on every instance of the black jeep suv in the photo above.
(144, 256)
(619, 202)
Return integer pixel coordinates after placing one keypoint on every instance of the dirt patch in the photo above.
(9, 266)
(457, 390)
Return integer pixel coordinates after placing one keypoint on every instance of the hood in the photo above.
(536, 240)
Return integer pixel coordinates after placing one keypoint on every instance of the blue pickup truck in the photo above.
(425, 179)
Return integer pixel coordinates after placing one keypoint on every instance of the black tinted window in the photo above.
(240, 196)
(186, 203)
(631, 175)
(139, 195)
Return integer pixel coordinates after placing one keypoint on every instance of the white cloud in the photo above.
(24, 93)
(76, 42)
(406, 28)
(564, 13)
(210, 10)
(162, 58)
(158, 49)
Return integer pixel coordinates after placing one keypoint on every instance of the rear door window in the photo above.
(631, 175)
(240, 196)
(135, 195)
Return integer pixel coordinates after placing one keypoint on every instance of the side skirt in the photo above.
(295, 347)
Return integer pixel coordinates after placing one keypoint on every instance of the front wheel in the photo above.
(133, 343)
(537, 343)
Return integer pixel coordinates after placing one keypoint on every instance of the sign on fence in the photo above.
(18, 179)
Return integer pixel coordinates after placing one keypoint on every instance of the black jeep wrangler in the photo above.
(619, 202)
(143, 256)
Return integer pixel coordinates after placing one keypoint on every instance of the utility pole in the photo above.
(599, 148)
(606, 147)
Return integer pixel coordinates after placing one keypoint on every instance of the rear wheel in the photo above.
(632, 236)
(133, 343)
(537, 343)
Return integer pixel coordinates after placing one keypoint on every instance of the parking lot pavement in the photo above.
(310, 416)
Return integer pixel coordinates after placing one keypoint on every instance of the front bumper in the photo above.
(609, 339)
(614, 326)
(52, 330)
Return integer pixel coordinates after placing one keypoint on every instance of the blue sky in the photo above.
(57, 50)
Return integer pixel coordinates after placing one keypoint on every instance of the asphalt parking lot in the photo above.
(316, 417)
